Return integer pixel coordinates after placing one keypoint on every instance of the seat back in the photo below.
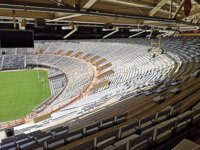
(27, 143)
(168, 125)
(146, 135)
(107, 123)
(37, 146)
(107, 139)
(130, 126)
(165, 112)
(43, 136)
(75, 135)
(56, 142)
(184, 116)
(121, 118)
(91, 129)
(148, 118)
(60, 130)
(34, 133)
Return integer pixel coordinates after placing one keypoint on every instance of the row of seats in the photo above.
(57, 137)
(145, 133)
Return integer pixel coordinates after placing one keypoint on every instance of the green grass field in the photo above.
(21, 92)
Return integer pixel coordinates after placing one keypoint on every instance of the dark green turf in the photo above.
(21, 92)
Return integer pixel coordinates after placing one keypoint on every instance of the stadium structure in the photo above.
(99, 74)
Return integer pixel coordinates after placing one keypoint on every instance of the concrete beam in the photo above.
(178, 9)
(71, 32)
(65, 17)
(89, 4)
(132, 3)
(136, 34)
(157, 7)
(111, 33)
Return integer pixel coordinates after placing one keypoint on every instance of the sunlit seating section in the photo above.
(135, 70)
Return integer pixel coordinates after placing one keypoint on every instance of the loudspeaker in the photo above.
(23, 23)
(149, 49)
(162, 51)
(9, 132)
(108, 26)
(39, 23)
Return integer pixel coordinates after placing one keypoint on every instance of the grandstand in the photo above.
(102, 75)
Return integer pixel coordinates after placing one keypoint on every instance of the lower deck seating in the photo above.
(159, 133)
(57, 137)
(131, 137)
